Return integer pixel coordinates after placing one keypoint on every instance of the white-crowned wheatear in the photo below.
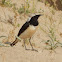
(28, 29)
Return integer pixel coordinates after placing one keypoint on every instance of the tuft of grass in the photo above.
(6, 3)
(52, 43)
(23, 10)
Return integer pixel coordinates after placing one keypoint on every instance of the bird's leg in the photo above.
(31, 45)
(25, 46)
(30, 42)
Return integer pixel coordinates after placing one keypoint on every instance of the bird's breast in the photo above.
(28, 32)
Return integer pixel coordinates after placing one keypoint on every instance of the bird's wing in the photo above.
(23, 28)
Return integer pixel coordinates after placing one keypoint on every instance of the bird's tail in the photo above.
(12, 44)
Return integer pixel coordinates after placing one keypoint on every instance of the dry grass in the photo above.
(51, 43)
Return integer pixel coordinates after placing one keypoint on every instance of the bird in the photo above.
(28, 29)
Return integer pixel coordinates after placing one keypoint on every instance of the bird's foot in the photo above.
(27, 49)
(34, 50)
(31, 49)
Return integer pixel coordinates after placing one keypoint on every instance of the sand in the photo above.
(9, 21)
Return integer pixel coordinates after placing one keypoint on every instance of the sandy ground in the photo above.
(18, 52)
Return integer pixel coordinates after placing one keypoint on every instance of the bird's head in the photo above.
(34, 20)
